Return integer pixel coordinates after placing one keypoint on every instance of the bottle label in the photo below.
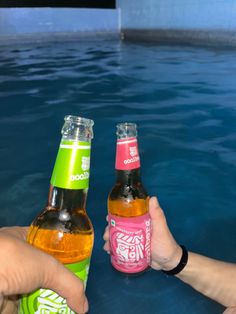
(45, 301)
(71, 170)
(127, 155)
(130, 242)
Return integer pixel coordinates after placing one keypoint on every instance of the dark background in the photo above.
(105, 4)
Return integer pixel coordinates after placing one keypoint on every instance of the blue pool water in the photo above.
(183, 100)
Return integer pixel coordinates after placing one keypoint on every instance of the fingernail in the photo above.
(154, 200)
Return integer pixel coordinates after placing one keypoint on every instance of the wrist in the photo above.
(173, 260)
(180, 266)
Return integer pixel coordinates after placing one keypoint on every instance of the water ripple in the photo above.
(183, 101)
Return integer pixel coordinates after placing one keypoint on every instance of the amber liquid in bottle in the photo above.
(63, 229)
(128, 198)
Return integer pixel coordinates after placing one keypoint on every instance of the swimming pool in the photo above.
(183, 101)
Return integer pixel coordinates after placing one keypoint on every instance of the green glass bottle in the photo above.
(63, 229)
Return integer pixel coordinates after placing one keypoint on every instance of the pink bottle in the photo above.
(129, 221)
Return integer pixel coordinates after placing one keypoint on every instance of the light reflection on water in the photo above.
(183, 100)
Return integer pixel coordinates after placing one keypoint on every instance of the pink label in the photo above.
(130, 240)
(127, 156)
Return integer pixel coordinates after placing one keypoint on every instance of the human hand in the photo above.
(25, 269)
(230, 310)
(165, 252)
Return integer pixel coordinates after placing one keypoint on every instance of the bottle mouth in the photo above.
(79, 120)
(126, 125)
(77, 128)
(126, 130)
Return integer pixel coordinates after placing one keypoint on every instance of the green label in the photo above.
(45, 301)
(71, 170)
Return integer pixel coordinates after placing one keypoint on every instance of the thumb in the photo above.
(166, 252)
(160, 229)
(157, 215)
(61, 280)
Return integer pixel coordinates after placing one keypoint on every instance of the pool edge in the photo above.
(182, 36)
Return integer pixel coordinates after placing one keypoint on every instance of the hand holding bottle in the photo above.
(25, 268)
(202, 273)
(165, 252)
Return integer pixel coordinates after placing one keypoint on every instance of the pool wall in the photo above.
(55, 23)
(210, 22)
(182, 21)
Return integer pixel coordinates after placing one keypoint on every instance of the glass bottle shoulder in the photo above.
(76, 221)
(128, 191)
(65, 211)
(69, 238)
(63, 228)
(128, 200)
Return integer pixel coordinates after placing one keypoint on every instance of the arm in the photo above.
(213, 278)
(24, 269)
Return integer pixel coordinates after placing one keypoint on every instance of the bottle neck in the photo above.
(127, 155)
(65, 199)
(128, 177)
(70, 178)
(72, 167)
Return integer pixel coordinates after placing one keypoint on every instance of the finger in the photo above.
(159, 223)
(106, 247)
(36, 269)
(1, 302)
(155, 211)
(230, 310)
(18, 232)
(10, 305)
(106, 234)
(67, 285)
